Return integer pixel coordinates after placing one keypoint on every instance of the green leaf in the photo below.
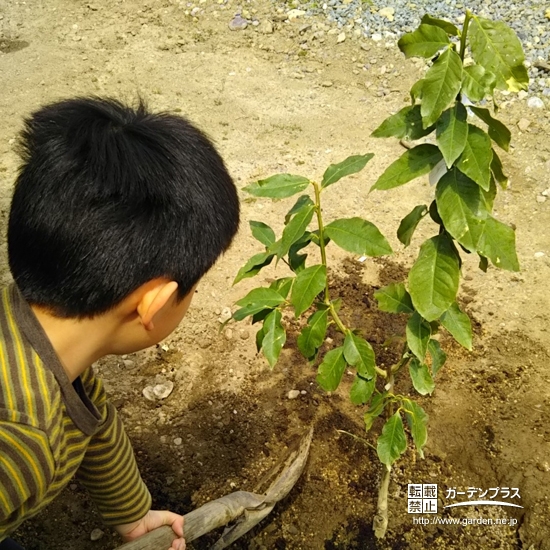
(359, 353)
(497, 170)
(437, 354)
(262, 233)
(297, 261)
(410, 165)
(476, 159)
(418, 335)
(477, 82)
(295, 229)
(498, 132)
(259, 339)
(394, 298)
(498, 243)
(302, 201)
(496, 47)
(259, 315)
(251, 309)
(253, 266)
(392, 443)
(265, 296)
(449, 28)
(331, 369)
(452, 133)
(282, 286)
(358, 236)
(421, 377)
(441, 85)
(257, 300)
(376, 408)
(361, 390)
(309, 282)
(351, 165)
(490, 195)
(425, 41)
(275, 337)
(405, 124)
(462, 207)
(434, 277)
(417, 420)
(313, 335)
(279, 186)
(483, 263)
(410, 222)
(416, 91)
(459, 325)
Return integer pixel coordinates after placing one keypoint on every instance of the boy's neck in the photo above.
(77, 342)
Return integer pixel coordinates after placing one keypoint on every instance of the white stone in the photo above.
(225, 315)
(162, 391)
(178, 441)
(294, 14)
(377, 37)
(96, 534)
(522, 94)
(293, 394)
(535, 103)
(539, 254)
(148, 393)
(341, 38)
(388, 13)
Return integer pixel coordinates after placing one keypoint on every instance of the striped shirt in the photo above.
(52, 429)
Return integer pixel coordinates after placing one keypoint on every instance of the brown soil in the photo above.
(273, 105)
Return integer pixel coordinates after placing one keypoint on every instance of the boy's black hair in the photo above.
(110, 197)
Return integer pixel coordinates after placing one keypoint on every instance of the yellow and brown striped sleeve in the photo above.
(109, 470)
(26, 470)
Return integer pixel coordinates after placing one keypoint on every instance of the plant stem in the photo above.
(364, 441)
(321, 233)
(332, 309)
(380, 521)
(464, 34)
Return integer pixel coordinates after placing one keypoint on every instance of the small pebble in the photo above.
(523, 124)
(238, 23)
(539, 254)
(96, 534)
(327, 84)
(178, 441)
(541, 199)
(341, 38)
(293, 394)
(225, 315)
(244, 335)
(535, 103)
(294, 14)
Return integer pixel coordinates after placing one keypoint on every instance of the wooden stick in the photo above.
(247, 509)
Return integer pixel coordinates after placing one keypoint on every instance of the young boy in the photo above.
(117, 214)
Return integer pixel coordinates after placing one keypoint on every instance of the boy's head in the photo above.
(109, 198)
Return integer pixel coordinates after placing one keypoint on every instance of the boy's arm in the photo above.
(26, 470)
(111, 476)
(110, 473)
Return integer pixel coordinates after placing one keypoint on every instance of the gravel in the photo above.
(389, 19)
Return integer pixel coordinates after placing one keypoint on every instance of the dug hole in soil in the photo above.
(273, 105)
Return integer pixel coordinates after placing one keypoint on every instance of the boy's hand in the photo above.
(152, 520)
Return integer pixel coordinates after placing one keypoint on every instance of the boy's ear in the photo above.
(154, 297)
